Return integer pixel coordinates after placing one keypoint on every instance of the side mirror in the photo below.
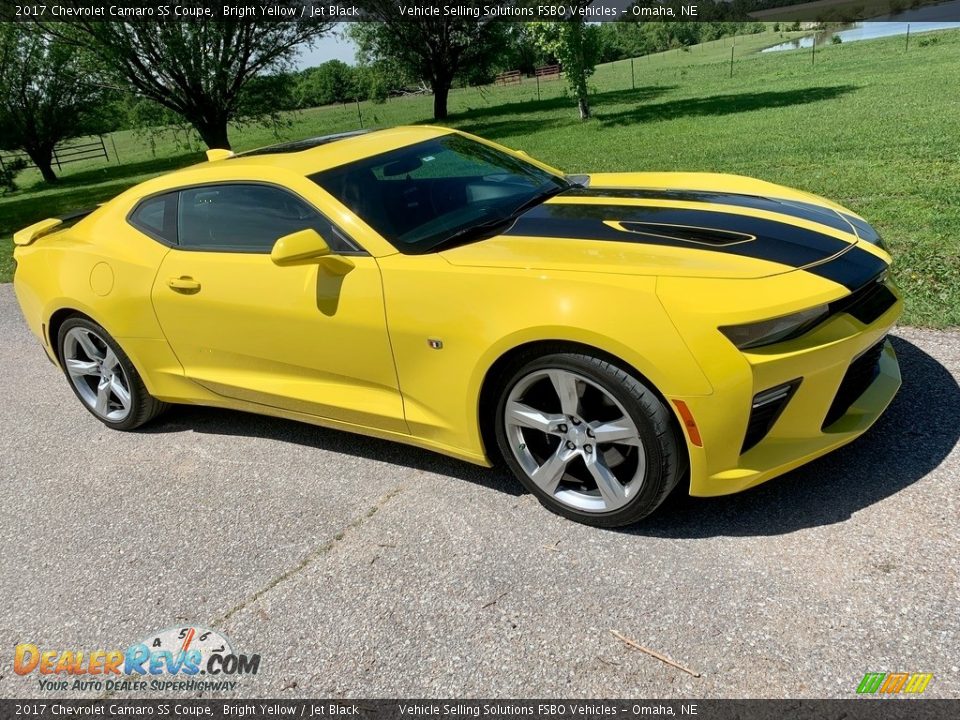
(299, 248)
(523, 152)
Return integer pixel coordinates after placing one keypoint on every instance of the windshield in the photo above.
(437, 193)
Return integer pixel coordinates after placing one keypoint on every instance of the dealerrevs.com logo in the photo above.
(178, 658)
(874, 683)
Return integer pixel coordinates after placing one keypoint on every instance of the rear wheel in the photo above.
(590, 440)
(103, 377)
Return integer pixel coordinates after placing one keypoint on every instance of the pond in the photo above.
(923, 19)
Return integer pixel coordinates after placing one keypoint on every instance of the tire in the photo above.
(588, 439)
(102, 376)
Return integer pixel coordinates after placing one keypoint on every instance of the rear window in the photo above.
(157, 217)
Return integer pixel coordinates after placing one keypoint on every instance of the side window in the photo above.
(157, 217)
(247, 218)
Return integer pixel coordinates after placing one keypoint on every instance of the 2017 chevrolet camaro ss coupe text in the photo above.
(608, 336)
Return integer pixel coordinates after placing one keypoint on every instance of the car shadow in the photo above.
(913, 437)
(215, 421)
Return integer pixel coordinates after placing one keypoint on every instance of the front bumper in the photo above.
(848, 375)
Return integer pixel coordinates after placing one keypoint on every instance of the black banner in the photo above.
(853, 709)
(482, 10)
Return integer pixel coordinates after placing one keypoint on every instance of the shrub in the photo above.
(9, 173)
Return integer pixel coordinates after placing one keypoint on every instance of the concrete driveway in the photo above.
(361, 568)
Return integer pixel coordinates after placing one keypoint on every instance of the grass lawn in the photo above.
(866, 124)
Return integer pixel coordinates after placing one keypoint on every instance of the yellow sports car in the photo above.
(607, 335)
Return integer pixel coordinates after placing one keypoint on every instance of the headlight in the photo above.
(768, 332)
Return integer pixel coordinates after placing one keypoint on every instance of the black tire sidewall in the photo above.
(645, 409)
(138, 393)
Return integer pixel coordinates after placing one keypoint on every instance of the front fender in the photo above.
(479, 314)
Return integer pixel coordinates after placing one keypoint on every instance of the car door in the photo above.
(300, 338)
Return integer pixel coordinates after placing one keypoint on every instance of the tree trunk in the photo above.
(584, 104)
(583, 96)
(441, 90)
(43, 158)
(213, 133)
(46, 170)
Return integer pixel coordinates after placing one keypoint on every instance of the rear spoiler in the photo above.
(45, 227)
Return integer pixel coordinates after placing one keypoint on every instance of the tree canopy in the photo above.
(434, 50)
(331, 82)
(46, 94)
(197, 69)
(576, 45)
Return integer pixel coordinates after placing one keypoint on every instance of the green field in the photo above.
(867, 124)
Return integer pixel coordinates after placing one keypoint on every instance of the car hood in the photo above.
(676, 224)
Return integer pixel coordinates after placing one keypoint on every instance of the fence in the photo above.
(68, 152)
(548, 72)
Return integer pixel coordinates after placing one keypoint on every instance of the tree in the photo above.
(46, 95)
(197, 69)
(520, 50)
(576, 45)
(433, 49)
(332, 82)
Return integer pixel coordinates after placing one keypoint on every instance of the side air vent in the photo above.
(766, 409)
(859, 376)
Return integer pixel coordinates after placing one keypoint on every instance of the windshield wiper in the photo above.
(537, 200)
(474, 232)
(487, 228)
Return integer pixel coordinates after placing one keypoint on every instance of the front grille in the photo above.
(867, 303)
(767, 407)
(859, 376)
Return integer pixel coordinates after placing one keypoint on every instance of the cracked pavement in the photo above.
(361, 568)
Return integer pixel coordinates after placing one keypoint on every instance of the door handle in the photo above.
(184, 284)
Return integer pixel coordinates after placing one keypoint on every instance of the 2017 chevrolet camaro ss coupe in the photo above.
(607, 335)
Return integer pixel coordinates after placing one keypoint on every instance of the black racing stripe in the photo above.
(794, 208)
(854, 269)
(775, 241)
(865, 230)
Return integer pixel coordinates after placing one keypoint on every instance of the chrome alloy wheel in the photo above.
(574, 440)
(97, 374)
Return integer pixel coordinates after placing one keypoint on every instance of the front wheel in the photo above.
(591, 441)
(103, 377)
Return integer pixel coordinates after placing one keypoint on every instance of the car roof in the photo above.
(321, 153)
